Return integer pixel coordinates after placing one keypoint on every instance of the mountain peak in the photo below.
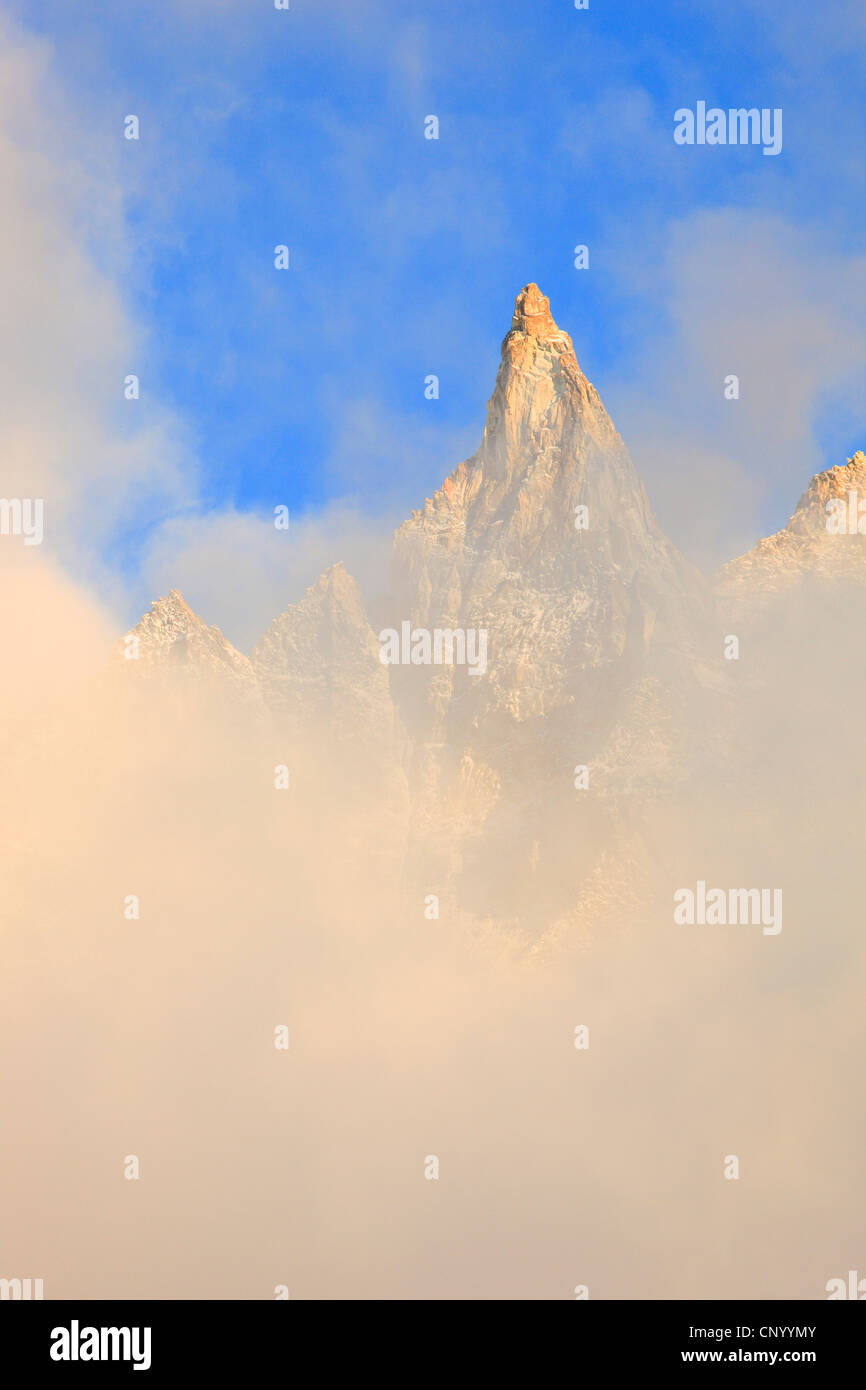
(532, 314)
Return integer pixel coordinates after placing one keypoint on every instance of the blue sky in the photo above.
(306, 127)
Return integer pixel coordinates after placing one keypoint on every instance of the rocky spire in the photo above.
(545, 533)
(545, 541)
(540, 395)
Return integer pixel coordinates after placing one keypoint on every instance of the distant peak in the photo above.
(532, 314)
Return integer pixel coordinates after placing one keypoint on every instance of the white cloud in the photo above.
(750, 295)
(236, 570)
(66, 433)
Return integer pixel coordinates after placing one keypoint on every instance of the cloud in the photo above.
(67, 433)
(154, 1035)
(236, 570)
(54, 635)
(122, 480)
(750, 295)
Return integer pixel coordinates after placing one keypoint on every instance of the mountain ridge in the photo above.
(603, 652)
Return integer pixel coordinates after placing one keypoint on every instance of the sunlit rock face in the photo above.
(545, 538)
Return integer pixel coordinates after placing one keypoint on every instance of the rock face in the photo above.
(503, 544)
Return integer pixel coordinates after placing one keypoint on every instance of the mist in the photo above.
(412, 1037)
